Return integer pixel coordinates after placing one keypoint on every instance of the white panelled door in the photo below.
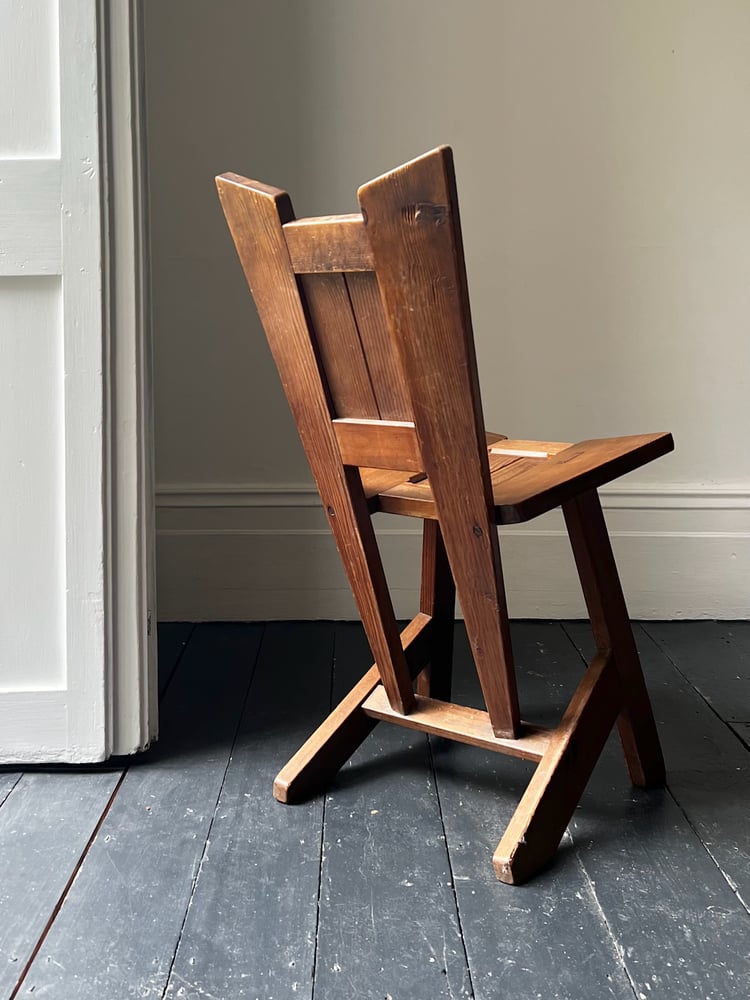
(76, 655)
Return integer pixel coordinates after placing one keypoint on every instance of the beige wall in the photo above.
(603, 158)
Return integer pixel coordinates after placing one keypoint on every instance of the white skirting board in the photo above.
(263, 552)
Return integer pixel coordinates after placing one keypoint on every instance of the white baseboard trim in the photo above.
(260, 552)
(666, 496)
(177, 495)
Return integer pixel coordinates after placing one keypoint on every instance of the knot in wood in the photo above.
(426, 213)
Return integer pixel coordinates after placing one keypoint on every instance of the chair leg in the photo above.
(336, 739)
(474, 554)
(438, 600)
(612, 631)
(355, 539)
(539, 822)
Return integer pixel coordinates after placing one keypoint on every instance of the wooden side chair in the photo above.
(367, 316)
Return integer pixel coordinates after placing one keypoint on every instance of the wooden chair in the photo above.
(367, 316)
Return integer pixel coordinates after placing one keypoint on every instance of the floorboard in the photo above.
(46, 823)
(388, 925)
(714, 657)
(8, 781)
(548, 938)
(119, 925)
(679, 925)
(182, 877)
(250, 929)
(173, 638)
(708, 769)
(742, 729)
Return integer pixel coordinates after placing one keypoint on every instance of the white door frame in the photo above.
(75, 211)
(132, 667)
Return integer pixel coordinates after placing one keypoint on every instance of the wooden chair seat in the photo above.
(367, 316)
(528, 477)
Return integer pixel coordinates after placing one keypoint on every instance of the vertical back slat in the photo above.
(411, 217)
(339, 347)
(382, 362)
(333, 260)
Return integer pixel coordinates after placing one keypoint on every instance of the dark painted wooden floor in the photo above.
(179, 876)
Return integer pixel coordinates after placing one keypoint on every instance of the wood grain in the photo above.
(528, 449)
(379, 444)
(336, 739)
(532, 488)
(456, 722)
(411, 218)
(382, 358)
(612, 632)
(338, 346)
(525, 486)
(328, 243)
(255, 213)
(533, 835)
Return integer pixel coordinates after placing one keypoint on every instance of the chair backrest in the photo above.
(384, 300)
(368, 319)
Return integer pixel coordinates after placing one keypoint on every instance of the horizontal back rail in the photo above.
(328, 243)
(379, 444)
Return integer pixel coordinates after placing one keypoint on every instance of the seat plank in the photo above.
(537, 487)
(529, 449)
(525, 487)
(392, 492)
